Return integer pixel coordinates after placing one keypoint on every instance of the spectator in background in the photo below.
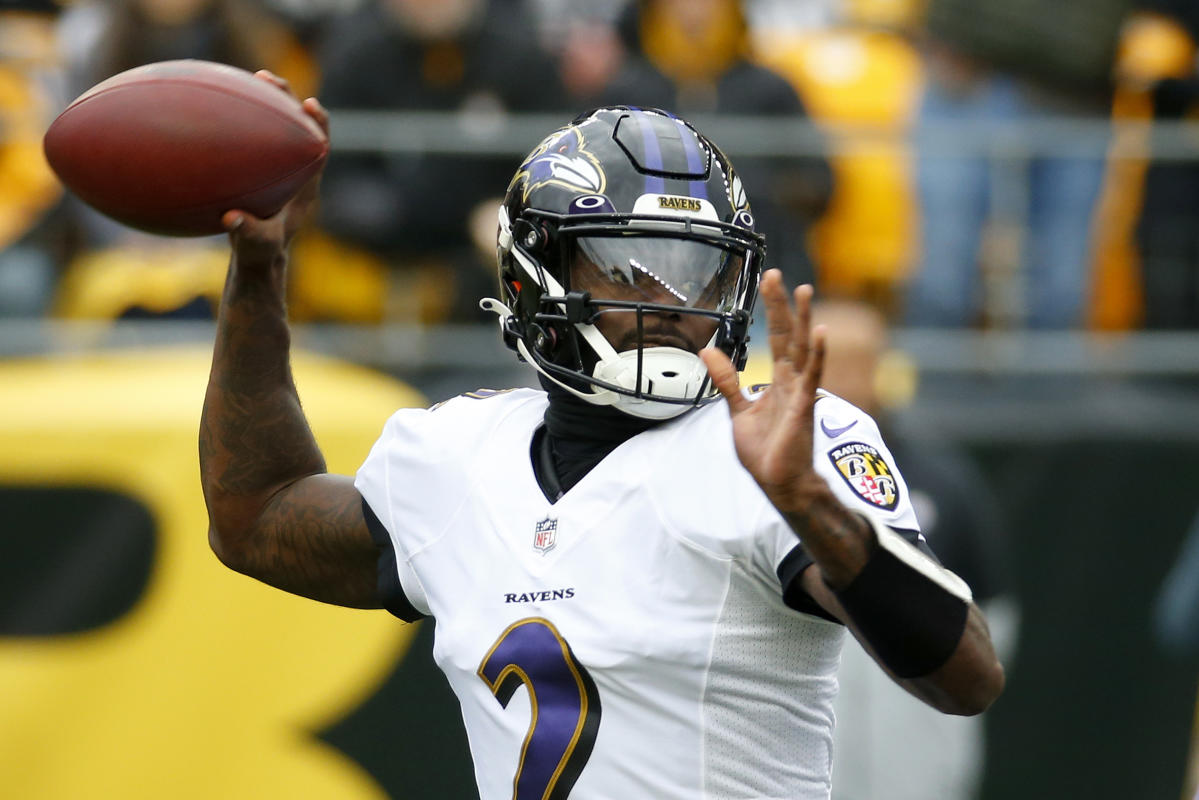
(414, 209)
(1167, 233)
(114, 271)
(599, 64)
(696, 61)
(104, 38)
(856, 67)
(29, 87)
(308, 20)
(887, 744)
(992, 62)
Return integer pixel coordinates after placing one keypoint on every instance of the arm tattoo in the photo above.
(838, 540)
(274, 514)
(315, 543)
(253, 435)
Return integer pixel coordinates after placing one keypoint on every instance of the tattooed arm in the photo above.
(274, 513)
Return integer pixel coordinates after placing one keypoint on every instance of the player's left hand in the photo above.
(773, 434)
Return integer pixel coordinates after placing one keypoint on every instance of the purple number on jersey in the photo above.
(564, 701)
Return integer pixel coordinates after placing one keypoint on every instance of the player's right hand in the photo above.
(257, 240)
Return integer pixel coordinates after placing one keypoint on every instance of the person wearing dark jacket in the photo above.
(1167, 232)
(413, 209)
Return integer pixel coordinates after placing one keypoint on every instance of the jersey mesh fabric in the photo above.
(760, 740)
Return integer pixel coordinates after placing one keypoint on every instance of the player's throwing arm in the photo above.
(274, 512)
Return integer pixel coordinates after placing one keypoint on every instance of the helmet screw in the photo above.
(542, 341)
(532, 238)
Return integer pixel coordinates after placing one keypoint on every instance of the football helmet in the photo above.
(625, 245)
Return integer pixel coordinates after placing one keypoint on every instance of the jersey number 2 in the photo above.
(564, 701)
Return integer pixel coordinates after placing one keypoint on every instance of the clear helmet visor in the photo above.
(664, 271)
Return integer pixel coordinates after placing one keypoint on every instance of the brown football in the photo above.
(169, 147)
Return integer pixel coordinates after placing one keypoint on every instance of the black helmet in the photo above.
(630, 212)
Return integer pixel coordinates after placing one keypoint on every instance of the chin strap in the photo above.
(669, 366)
(666, 371)
(601, 397)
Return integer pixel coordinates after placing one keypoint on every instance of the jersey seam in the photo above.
(428, 612)
(395, 541)
(703, 693)
(469, 476)
(411, 553)
(682, 538)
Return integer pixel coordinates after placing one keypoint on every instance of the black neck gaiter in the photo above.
(579, 434)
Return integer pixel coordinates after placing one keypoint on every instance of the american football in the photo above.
(168, 147)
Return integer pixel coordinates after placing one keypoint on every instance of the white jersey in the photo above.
(629, 640)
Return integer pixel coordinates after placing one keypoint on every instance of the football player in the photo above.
(640, 576)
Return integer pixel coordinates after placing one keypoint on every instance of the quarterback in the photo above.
(641, 574)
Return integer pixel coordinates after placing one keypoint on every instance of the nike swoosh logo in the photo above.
(833, 433)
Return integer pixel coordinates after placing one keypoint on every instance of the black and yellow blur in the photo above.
(996, 200)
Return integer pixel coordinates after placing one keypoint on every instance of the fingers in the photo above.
(256, 243)
(311, 106)
(778, 315)
(814, 369)
(798, 351)
(724, 378)
(314, 109)
(244, 225)
(270, 77)
(788, 328)
(798, 347)
(231, 221)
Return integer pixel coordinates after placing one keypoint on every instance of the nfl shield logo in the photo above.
(545, 535)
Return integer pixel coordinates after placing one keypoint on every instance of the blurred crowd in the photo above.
(959, 168)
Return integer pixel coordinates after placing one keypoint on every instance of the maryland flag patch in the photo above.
(867, 473)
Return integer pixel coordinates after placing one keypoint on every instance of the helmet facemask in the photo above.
(616, 307)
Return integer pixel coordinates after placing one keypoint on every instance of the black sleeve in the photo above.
(794, 563)
(391, 593)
